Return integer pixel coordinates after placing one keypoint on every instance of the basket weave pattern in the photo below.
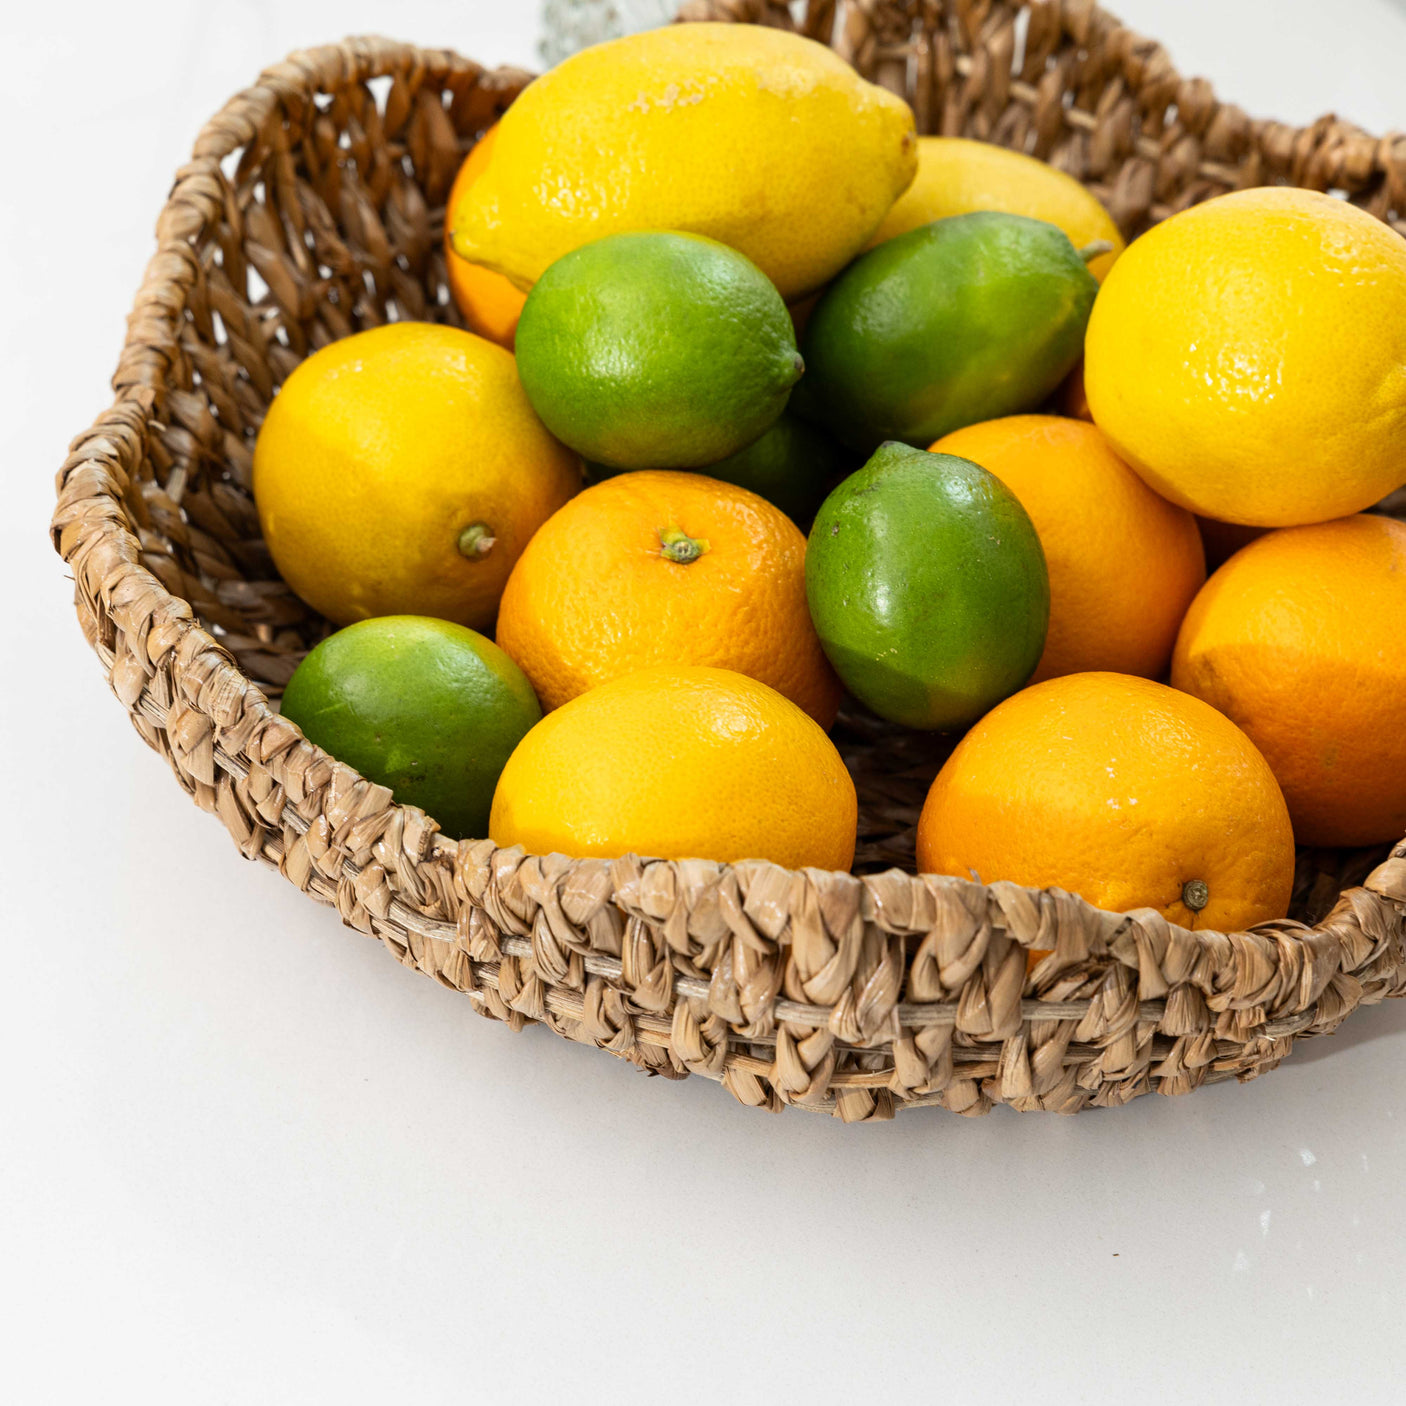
(313, 207)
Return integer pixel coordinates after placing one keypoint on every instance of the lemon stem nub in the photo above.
(677, 546)
(476, 540)
(1195, 894)
(1094, 249)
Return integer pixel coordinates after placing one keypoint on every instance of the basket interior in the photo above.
(328, 219)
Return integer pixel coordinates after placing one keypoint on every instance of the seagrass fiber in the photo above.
(312, 207)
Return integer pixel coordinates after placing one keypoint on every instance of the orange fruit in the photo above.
(679, 762)
(656, 567)
(1124, 564)
(1300, 638)
(1121, 790)
(490, 304)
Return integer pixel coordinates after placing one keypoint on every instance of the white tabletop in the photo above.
(248, 1158)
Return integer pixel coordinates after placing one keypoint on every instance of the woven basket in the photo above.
(313, 207)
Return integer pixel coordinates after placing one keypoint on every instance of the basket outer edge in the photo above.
(365, 854)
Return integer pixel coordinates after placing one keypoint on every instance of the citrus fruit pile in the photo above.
(765, 401)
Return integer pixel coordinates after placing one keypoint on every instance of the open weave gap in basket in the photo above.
(313, 207)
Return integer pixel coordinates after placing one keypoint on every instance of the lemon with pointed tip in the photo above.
(761, 139)
(490, 304)
(957, 175)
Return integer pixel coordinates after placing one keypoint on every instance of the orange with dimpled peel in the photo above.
(1121, 790)
(657, 567)
(1301, 639)
(1124, 564)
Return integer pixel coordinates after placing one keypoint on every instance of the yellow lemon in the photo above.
(757, 138)
(1248, 358)
(490, 304)
(401, 471)
(957, 175)
(679, 762)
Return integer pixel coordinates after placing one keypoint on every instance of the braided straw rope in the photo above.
(313, 207)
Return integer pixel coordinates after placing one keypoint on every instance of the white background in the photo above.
(245, 1157)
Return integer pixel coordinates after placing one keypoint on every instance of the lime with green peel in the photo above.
(429, 708)
(793, 465)
(656, 351)
(928, 587)
(965, 319)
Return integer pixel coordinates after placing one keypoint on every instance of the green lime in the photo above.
(792, 465)
(656, 351)
(965, 319)
(927, 585)
(429, 708)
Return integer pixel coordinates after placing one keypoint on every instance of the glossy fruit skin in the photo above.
(1298, 638)
(1124, 564)
(966, 319)
(766, 141)
(1248, 358)
(656, 351)
(377, 454)
(793, 465)
(679, 762)
(1120, 790)
(491, 305)
(595, 597)
(928, 587)
(957, 175)
(426, 707)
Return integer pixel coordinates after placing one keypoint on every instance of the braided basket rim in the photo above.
(687, 966)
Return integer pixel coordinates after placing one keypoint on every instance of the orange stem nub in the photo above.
(677, 546)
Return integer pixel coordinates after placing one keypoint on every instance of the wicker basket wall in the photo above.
(313, 207)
